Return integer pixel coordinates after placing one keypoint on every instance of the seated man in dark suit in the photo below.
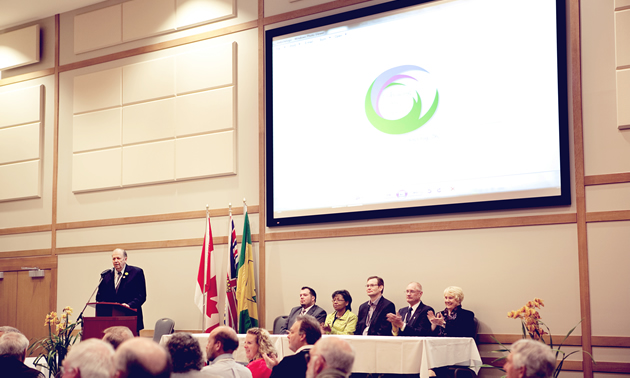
(307, 307)
(13, 346)
(373, 313)
(412, 320)
(303, 335)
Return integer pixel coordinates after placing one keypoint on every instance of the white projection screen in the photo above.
(417, 107)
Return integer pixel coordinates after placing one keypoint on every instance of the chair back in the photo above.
(164, 326)
(278, 323)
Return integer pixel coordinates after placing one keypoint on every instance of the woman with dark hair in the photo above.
(341, 321)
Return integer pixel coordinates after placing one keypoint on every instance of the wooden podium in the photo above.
(109, 314)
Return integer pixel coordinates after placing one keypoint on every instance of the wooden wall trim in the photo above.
(27, 76)
(197, 214)
(25, 230)
(310, 11)
(608, 216)
(25, 253)
(612, 178)
(13, 264)
(55, 172)
(484, 338)
(534, 220)
(160, 46)
(262, 259)
(599, 367)
(157, 244)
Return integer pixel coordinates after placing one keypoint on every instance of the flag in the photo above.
(206, 288)
(246, 284)
(230, 316)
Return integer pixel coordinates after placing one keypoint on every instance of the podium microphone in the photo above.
(94, 292)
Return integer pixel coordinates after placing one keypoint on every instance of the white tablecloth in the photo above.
(388, 354)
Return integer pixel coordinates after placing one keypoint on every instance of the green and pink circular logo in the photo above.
(408, 77)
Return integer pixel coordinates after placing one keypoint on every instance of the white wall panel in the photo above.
(205, 155)
(27, 241)
(95, 130)
(144, 18)
(191, 12)
(608, 197)
(98, 90)
(205, 111)
(21, 106)
(149, 163)
(148, 80)
(19, 47)
(20, 180)
(204, 69)
(623, 97)
(96, 170)
(622, 3)
(149, 121)
(622, 37)
(98, 29)
(20, 143)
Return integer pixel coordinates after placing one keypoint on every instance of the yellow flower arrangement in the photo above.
(56, 345)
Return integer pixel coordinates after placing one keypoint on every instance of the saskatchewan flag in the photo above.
(246, 283)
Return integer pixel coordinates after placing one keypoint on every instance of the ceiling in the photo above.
(17, 12)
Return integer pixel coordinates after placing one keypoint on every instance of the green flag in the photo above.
(246, 283)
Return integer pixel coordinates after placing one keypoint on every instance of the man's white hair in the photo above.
(92, 358)
(338, 353)
(13, 344)
(536, 357)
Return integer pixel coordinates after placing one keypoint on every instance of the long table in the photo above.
(388, 354)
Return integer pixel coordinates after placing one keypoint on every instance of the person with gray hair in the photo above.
(529, 359)
(331, 357)
(8, 329)
(117, 335)
(140, 358)
(92, 358)
(13, 346)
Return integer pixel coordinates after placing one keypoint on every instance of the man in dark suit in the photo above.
(302, 336)
(373, 313)
(123, 284)
(412, 320)
(307, 307)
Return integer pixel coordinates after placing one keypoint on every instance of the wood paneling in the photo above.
(13, 264)
(608, 216)
(613, 178)
(8, 299)
(33, 304)
(25, 230)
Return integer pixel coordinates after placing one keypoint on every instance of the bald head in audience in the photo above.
(140, 357)
(92, 358)
(117, 335)
(331, 356)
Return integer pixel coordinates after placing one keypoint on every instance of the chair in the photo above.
(164, 326)
(278, 323)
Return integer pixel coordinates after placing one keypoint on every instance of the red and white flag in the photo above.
(230, 316)
(206, 288)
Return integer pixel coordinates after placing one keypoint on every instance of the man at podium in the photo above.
(122, 284)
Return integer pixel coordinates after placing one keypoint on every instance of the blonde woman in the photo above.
(454, 321)
(257, 342)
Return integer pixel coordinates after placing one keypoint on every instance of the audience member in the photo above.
(117, 335)
(529, 359)
(91, 358)
(454, 321)
(412, 320)
(331, 357)
(258, 342)
(303, 334)
(222, 342)
(140, 357)
(186, 356)
(8, 329)
(341, 321)
(13, 346)
(307, 307)
(372, 317)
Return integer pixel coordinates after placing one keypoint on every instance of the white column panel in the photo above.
(205, 155)
(98, 29)
(20, 143)
(149, 80)
(149, 163)
(144, 18)
(612, 197)
(191, 12)
(623, 97)
(205, 111)
(31, 240)
(20, 180)
(95, 130)
(98, 90)
(149, 121)
(96, 170)
(622, 3)
(622, 37)
(19, 47)
(205, 69)
(21, 106)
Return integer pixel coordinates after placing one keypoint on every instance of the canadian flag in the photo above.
(206, 289)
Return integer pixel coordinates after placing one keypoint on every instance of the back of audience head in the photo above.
(530, 359)
(8, 329)
(14, 344)
(185, 352)
(310, 328)
(330, 352)
(92, 358)
(140, 358)
(220, 341)
(117, 335)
